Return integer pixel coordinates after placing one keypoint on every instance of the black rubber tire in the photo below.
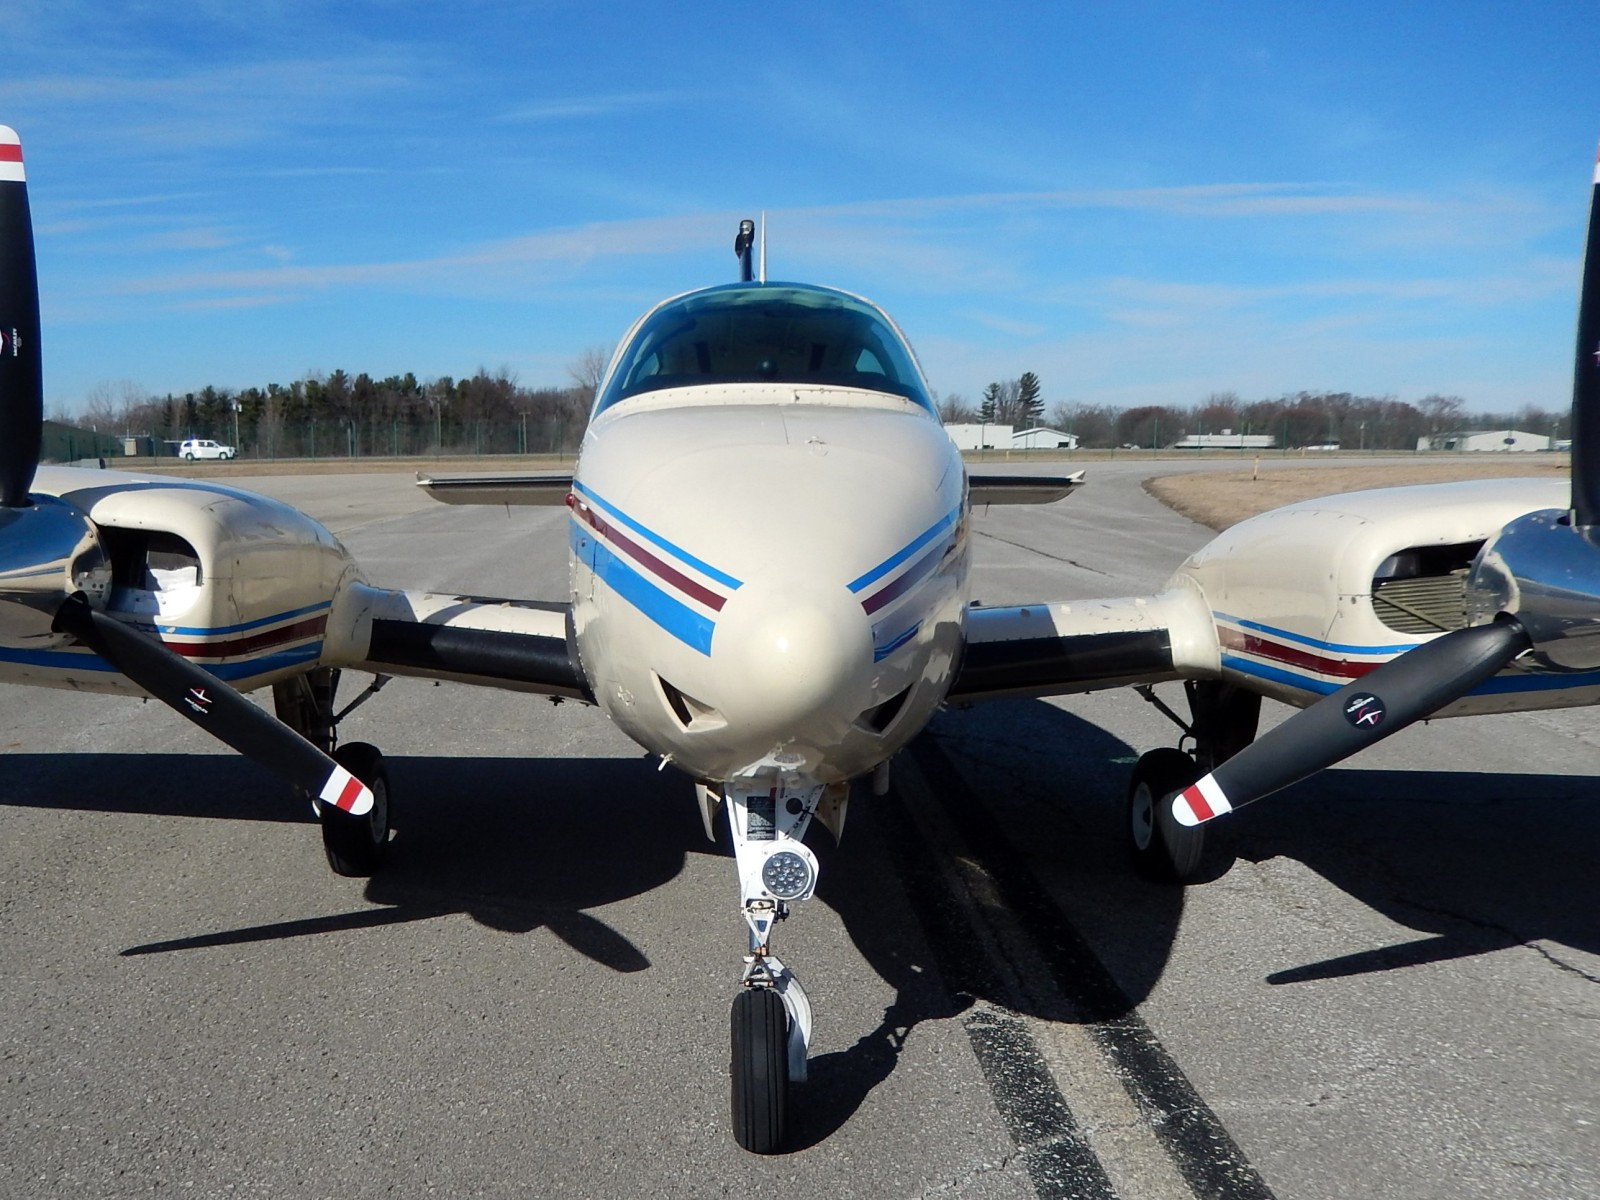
(760, 1070)
(356, 845)
(188, 457)
(1163, 850)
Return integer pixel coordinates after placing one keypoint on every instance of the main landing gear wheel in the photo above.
(760, 1070)
(1162, 849)
(356, 845)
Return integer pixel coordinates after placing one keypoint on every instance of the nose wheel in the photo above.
(771, 1018)
(760, 1070)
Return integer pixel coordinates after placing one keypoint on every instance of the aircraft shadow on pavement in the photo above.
(517, 844)
(1476, 861)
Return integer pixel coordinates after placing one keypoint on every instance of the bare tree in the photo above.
(953, 408)
(588, 368)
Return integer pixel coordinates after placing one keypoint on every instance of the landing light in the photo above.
(786, 875)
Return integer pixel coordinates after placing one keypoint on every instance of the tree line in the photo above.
(344, 415)
(339, 415)
(1297, 419)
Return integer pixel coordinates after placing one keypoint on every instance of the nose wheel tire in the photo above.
(356, 845)
(760, 1070)
(1162, 850)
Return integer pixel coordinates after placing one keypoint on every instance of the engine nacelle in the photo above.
(238, 583)
(1338, 585)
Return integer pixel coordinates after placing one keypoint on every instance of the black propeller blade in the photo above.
(214, 706)
(1405, 689)
(21, 381)
(1586, 377)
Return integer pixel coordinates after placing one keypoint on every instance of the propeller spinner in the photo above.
(54, 573)
(1533, 590)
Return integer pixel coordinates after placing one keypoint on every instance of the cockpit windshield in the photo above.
(765, 333)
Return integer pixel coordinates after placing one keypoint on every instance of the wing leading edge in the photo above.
(1085, 645)
(521, 645)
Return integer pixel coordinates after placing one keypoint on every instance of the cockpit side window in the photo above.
(765, 333)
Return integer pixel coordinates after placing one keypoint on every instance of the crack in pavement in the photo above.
(1071, 562)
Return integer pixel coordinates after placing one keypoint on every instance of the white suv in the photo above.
(205, 448)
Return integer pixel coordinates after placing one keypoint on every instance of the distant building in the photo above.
(1041, 438)
(1226, 440)
(1481, 441)
(1006, 437)
(980, 437)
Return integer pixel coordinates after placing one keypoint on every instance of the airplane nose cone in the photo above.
(798, 659)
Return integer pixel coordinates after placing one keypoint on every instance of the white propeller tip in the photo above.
(347, 793)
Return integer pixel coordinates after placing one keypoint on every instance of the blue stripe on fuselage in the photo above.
(899, 556)
(677, 618)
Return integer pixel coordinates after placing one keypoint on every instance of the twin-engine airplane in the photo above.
(777, 642)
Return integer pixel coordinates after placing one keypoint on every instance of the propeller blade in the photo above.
(21, 381)
(1586, 377)
(1405, 689)
(214, 706)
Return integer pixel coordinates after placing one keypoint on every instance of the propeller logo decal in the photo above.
(10, 343)
(1364, 711)
(198, 700)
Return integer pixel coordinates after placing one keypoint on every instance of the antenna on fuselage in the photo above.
(741, 247)
(761, 274)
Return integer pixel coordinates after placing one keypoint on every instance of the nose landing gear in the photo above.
(771, 1020)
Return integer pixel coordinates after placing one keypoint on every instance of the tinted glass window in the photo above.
(765, 333)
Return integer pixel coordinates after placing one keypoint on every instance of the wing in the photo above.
(523, 645)
(1021, 489)
(1056, 648)
(497, 489)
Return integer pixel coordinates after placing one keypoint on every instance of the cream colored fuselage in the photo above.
(768, 580)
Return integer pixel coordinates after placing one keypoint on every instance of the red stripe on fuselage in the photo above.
(642, 556)
(915, 574)
(1306, 660)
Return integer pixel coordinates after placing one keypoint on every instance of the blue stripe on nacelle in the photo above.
(1314, 643)
(77, 660)
(1499, 685)
(210, 631)
(677, 618)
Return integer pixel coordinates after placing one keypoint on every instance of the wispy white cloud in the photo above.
(571, 108)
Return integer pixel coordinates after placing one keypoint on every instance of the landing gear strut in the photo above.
(355, 846)
(1223, 722)
(771, 1020)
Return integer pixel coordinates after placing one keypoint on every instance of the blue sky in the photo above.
(1140, 202)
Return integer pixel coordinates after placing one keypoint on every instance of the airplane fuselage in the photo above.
(769, 579)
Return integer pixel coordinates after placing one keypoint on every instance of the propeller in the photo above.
(54, 572)
(1533, 593)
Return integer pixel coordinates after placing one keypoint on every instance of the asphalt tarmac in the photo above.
(1388, 986)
